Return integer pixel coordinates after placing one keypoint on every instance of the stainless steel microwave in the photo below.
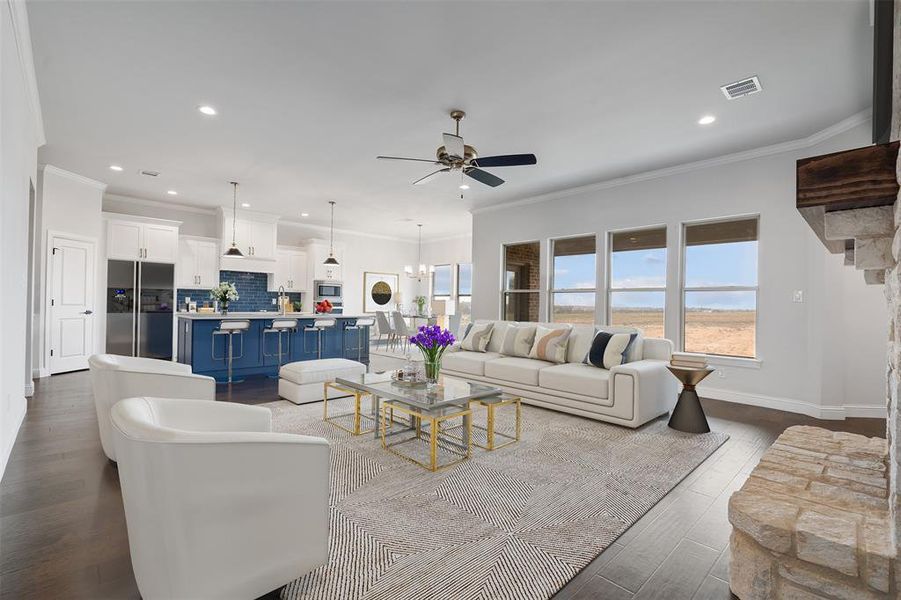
(328, 290)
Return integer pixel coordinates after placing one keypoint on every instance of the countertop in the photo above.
(266, 315)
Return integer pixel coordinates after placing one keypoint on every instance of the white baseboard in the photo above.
(29, 389)
(13, 433)
(802, 407)
(40, 373)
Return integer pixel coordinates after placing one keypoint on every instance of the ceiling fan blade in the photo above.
(428, 160)
(430, 176)
(504, 160)
(453, 145)
(483, 176)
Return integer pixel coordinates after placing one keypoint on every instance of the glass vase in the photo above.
(432, 370)
(223, 308)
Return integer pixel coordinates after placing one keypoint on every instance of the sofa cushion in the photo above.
(579, 343)
(636, 349)
(576, 378)
(477, 337)
(609, 350)
(550, 344)
(518, 340)
(468, 362)
(497, 336)
(516, 370)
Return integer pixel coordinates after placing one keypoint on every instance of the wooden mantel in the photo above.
(859, 178)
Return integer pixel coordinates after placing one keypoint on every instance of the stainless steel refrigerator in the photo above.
(140, 300)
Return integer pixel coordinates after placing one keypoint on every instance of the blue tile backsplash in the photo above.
(252, 293)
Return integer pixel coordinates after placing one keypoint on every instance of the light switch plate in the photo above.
(798, 296)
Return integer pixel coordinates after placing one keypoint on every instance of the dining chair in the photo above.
(384, 326)
(401, 330)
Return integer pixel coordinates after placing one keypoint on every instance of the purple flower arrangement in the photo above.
(432, 341)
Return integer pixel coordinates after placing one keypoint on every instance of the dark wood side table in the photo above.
(689, 415)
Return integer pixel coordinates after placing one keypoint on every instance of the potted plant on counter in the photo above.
(224, 293)
(420, 304)
(432, 341)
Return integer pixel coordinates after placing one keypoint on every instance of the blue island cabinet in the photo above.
(257, 354)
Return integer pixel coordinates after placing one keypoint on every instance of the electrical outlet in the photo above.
(798, 296)
(274, 301)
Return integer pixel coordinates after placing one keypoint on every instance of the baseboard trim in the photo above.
(14, 433)
(793, 405)
(40, 373)
(29, 389)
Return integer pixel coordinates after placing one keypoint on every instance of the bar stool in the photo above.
(319, 326)
(278, 328)
(231, 328)
(362, 325)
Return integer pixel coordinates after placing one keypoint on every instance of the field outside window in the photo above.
(720, 288)
(574, 282)
(638, 280)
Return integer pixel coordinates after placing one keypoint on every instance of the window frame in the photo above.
(456, 275)
(552, 291)
(683, 289)
(608, 317)
(503, 277)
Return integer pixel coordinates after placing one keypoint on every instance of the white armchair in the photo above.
(216, 505)
(116, 377)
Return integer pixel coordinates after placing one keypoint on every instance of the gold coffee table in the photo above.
(491, 403)
(430, 419)
(358, 416)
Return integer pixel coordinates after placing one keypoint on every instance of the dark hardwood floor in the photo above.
(62, 527)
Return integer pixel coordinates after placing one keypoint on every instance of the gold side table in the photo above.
(491, 403)
(688, 415)
(358, 417)
(432, 418)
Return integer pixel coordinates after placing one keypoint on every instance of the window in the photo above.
(521, 281)
(574, 280)
(464, 293)
(441, 281)
(720, 288)
(638, 279)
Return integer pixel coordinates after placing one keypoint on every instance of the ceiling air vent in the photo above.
(744, 87)
(151, 173)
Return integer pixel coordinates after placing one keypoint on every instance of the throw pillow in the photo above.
(477, 337)
(550, 344)
(609, 349)
(518, 340)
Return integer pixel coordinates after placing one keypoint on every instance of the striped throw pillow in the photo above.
(609, 350)
(518, 340)
(477, 337)
(550, 344)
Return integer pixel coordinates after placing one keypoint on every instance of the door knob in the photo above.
(88, 312)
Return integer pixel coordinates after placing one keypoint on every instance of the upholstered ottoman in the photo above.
(302, 382)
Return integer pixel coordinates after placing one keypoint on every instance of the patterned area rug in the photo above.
(517, 523)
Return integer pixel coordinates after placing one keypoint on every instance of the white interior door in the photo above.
(72, 303)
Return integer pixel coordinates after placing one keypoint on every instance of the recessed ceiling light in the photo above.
(463, 186)
(706, 120)
(304, 214)
(245, 205)
(172, 193)
(207, 110)
(115, 168)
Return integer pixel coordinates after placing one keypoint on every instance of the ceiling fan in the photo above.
(454, 155)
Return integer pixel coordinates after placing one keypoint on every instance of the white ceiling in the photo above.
(309, 93)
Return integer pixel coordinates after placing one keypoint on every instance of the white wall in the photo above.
(194, 221)
(21, 133)
(823, 357)
(68, 203)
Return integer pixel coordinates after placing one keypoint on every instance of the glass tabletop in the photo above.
(449, 391)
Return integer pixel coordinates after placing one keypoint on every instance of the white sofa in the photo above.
(116, 377)
(630, 394)
(216, 505)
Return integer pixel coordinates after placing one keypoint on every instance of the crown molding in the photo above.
(325, 228)
(72, 176)
(22, 35)
(200, 210)
(780, 148)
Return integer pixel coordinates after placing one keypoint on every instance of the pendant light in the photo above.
(423, 271)
(331, 260)
(234, 251)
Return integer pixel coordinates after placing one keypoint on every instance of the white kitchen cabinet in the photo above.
(317, 252)
(198, 263)
(290, 271)
(142, 241)
(255, 233)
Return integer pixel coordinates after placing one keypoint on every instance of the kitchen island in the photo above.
(206, 352)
